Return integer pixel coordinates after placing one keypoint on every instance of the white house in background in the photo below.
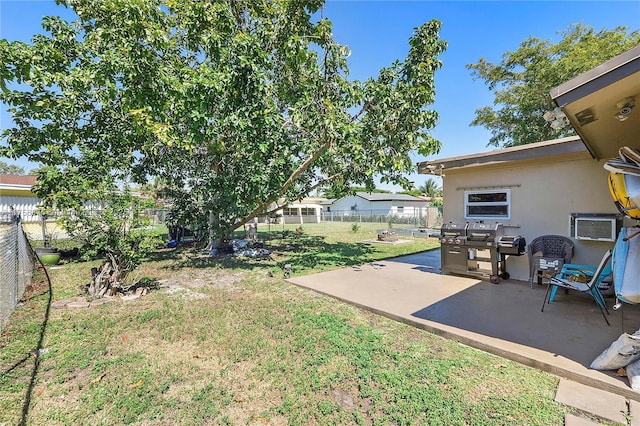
(308, 210)
(378, 204)
(16, 195)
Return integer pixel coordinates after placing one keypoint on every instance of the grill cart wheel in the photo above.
(505, 275)
(495, 279)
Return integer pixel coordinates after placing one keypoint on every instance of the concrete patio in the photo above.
(503, 319)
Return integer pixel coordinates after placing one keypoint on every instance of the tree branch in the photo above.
(364, 108)
(290, 181)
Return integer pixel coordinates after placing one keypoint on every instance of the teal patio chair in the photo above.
(571, 277)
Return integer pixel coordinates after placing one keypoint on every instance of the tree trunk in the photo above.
(107, 280)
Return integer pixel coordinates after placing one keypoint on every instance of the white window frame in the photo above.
(506, 203)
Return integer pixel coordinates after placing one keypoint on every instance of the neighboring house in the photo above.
(15, 193)
(378, 204)
(308, 210)
(327, 203)
(546, 187)
(16, 197)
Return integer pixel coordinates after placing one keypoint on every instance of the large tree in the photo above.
(10, 169)
(522, 80)
(234, 105)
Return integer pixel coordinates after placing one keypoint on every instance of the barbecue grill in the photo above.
(478, 249)
(453, 253)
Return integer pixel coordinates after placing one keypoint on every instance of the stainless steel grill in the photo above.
(453, 253)
(453, 233)
(478, 249)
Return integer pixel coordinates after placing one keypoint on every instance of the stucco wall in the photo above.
(344, 205)
(543, 195)
(384, 207)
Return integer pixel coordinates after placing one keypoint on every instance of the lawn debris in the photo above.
(242, 248)
(136, 384)
(387, 236)
(99, 378)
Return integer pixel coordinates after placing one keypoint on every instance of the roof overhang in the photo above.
(595, 102)
(564, 146)
(16, 187)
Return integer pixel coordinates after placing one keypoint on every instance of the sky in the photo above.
(377, 33)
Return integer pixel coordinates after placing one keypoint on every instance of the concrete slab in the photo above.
(130, 298)
(634, 412)
(61, 304)
(504, 319)
(571, 420)
(589, 399)
(78, 304)
(102, 301)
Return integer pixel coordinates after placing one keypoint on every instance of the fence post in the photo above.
(14, 226)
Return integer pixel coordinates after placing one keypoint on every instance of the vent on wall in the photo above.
(595, 226)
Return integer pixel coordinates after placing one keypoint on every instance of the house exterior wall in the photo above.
(353, 204)
(22, 202)
(299, 217)
(544, 192)
(308, 210)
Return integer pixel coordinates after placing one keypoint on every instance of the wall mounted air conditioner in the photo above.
(595, 226)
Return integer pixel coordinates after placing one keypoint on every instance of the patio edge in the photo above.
(474, 343)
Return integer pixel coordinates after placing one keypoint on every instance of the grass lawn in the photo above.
(227, 341)
(324, 246)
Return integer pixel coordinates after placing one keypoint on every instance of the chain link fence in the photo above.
(430, 217)
(16, 264)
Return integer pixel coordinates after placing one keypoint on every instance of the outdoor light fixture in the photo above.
(624, 107)
(556, 118)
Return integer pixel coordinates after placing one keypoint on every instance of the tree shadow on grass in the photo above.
(313, 252)
(36, 351)
(164, 254)
(302, 252)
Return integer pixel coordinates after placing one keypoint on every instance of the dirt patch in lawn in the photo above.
(191, 284)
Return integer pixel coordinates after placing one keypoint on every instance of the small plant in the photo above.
(108, 232)
(355, 228)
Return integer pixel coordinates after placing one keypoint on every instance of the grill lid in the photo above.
(512, 245)
(480, 231)
(454, 228)
(510, 240)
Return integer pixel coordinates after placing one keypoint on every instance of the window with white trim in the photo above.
(487, 204)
